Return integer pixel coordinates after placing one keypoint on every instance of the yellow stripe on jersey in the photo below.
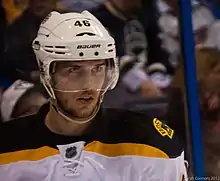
(120, 149)
(27, 155)
(111, 150)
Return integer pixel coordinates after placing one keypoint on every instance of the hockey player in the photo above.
(73, 138)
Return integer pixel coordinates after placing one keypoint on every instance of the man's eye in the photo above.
(74, 68)
(98, 69)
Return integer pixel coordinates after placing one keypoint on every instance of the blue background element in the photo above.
(191, 86)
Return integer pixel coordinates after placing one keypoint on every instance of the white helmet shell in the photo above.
(73, 36)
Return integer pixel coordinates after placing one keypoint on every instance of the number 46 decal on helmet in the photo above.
(82, 23)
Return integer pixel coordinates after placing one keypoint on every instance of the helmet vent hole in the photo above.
(60, 47)
(47, 46)
(61, 53)
(81, 54)
(49, 51)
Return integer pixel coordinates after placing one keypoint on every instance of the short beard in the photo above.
(84, 113)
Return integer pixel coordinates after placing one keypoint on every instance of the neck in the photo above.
(59, 125)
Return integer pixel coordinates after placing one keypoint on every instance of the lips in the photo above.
(85, 100)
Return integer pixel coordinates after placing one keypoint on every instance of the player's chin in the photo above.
(85, 113)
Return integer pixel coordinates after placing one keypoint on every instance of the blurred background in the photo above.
(151, 62)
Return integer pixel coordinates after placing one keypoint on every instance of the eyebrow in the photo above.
(81, 65)
(66, 65)
(100, 64)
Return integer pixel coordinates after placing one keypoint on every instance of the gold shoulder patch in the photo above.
(163, 129)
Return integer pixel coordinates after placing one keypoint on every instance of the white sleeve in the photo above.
(183, 167)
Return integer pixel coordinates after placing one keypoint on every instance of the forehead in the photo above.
(80, 63)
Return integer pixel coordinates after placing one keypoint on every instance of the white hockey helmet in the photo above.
(74, 37)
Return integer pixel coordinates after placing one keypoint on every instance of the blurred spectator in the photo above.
(207, 63)
(14, 8)
(208, 66)
(214, 6)
(21, 98)
(78, 5)
(212, 39)
(173, 4)
(169, 35)
(210, 109)
(123, 16)
(208, 75)
(203, 19)
(134, 26)
(2, 27)
(210, 96)
(19, 59)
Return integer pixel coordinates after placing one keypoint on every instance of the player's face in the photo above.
(77, 86)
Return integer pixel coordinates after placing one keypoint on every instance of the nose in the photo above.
(88, 81)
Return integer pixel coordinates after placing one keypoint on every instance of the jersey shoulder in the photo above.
(140, 128)
(165, 138)
(15, 133)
